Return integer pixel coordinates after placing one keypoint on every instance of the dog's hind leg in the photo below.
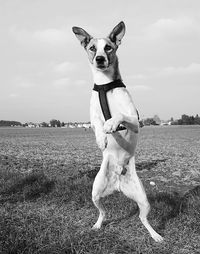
(99, 187)
(132, 187)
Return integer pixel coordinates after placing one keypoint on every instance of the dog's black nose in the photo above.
(100, 59)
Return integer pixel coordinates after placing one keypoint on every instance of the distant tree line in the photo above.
(151, 121)
(184, 120)
(187, 120)
(56, 123)
(4, 123)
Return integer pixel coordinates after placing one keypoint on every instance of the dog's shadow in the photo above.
(166, 206)
(148, 165)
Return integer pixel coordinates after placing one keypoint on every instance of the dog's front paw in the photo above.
(111, 125)
(101, 141)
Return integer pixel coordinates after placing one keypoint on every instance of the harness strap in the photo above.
(102, 91)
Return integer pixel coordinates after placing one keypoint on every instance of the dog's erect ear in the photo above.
(117, 33)
(82, 35)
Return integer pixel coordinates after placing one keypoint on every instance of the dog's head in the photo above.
(101, 52)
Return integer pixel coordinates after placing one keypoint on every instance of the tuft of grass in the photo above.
(97, 242)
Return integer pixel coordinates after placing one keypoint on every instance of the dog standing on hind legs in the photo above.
(117, 129)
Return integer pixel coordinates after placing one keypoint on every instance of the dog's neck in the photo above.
(103, 77)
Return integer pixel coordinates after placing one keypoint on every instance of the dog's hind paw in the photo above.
(158, 238)
(96, 226)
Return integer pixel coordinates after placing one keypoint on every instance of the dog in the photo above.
(117, 171)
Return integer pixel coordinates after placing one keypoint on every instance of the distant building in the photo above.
(71, 126)
(78, 125)
(31, 125)
(87, 125)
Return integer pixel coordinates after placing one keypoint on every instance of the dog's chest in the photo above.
(113, 102)
(113, 99)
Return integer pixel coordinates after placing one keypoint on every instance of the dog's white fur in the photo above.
(118, 148)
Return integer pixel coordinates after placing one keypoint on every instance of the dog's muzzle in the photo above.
(101, 62)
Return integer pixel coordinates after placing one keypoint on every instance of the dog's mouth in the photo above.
(102, 66)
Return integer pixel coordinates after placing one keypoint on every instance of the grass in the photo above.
(46, 178)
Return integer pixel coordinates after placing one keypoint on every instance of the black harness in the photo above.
(102, 90)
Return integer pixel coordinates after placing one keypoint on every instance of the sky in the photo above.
(44, 72)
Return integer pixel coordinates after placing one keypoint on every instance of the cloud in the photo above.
(137, 76)
(61, 83)
(46, 37)
(23, 82)
(64, 67)
(191, 69)
(141, 88)
(13, 95)
(51, 36)
(81, 82)
(168, 29)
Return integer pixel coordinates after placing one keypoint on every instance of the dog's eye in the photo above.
(92, 48)
(108, 48)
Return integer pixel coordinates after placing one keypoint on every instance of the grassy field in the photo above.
(46, 177)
